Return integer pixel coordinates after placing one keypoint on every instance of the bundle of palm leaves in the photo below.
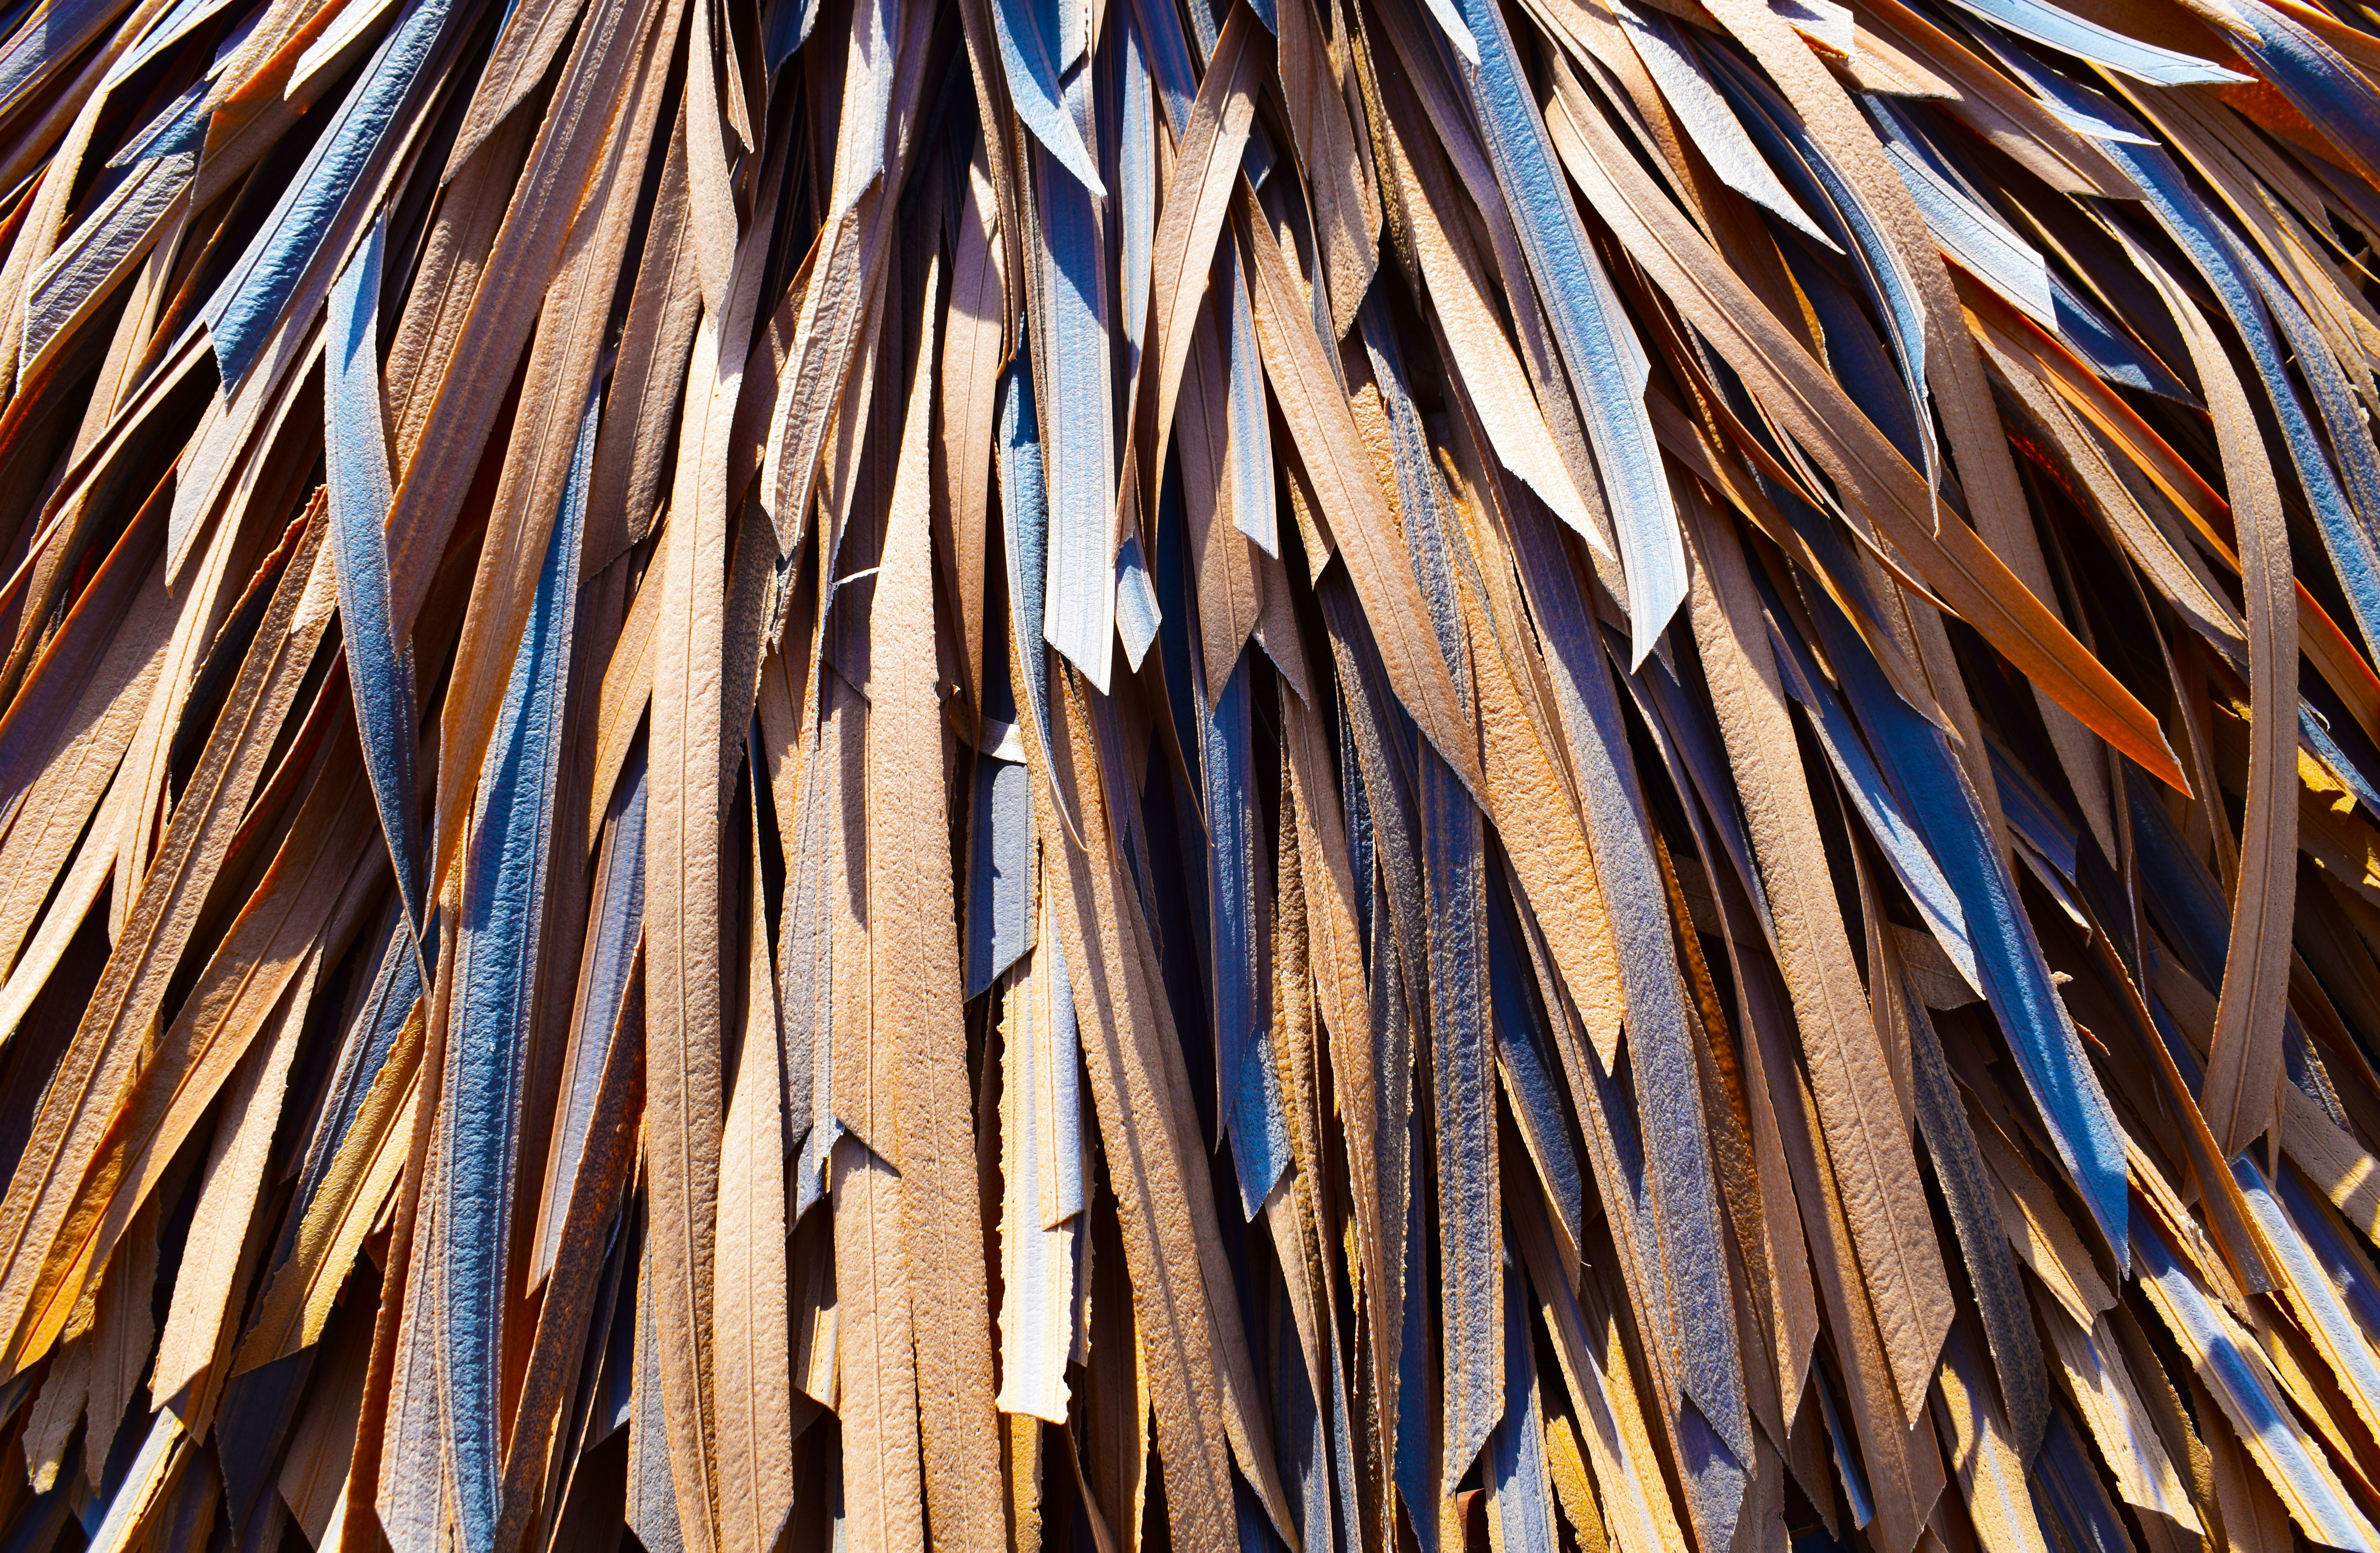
(1365, 776)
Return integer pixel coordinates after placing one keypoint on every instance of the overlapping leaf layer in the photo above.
(1365, 776)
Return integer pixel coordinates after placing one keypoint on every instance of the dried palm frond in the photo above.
(1365, 776)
